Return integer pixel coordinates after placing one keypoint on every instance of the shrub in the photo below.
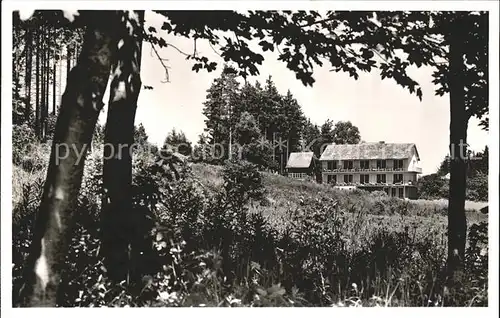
(476, 264)
(378, 194)
(27, 152)
(379, 208)
(242, 182)
(434, 187)
(477, 187)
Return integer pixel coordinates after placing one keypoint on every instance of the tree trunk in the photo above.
(457, 224)
(81, 104)
(59, 82)
(37, 99)
(68, 60)
(76, 54)
(119, 223)
(42, 82)
(27, 78)
(47, 83)
(54, 87)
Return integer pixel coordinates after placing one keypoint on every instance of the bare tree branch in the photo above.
(151, 54)
(213, 49)
(316, 22)
(379, 55)
(178, 50)
(167, 76)
(278, 49)
(237, 38)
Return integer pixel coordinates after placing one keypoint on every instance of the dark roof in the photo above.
(300, 160)
(367, 151)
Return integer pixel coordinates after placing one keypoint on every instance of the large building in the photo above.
(389, 167)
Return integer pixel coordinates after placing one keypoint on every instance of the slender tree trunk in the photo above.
(68, 59)
(75, 55)
(27, 110)
(59, 82)
(457, 224)
(54, 87)
(16, 94)
(119, 223)
(80, 108)
(42, 82)
(47, 83)
(37, 108)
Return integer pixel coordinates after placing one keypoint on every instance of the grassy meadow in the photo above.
(285, 193)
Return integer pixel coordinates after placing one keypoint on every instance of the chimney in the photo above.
(381, 142)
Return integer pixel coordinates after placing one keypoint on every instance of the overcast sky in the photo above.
(380, 109)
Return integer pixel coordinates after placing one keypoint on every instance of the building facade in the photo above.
(389, 167)
(300, 165)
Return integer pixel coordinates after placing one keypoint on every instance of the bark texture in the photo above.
(457, 224)
(119, 221)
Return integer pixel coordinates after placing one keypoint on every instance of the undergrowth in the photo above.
(238, 243)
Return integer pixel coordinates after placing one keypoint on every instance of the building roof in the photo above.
(300, 160)
(367, 151)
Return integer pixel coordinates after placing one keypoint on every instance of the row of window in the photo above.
(297, 175)
(365, 178)
(364, 164)
(399, 192)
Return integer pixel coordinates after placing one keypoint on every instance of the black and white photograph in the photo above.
(231, 154)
